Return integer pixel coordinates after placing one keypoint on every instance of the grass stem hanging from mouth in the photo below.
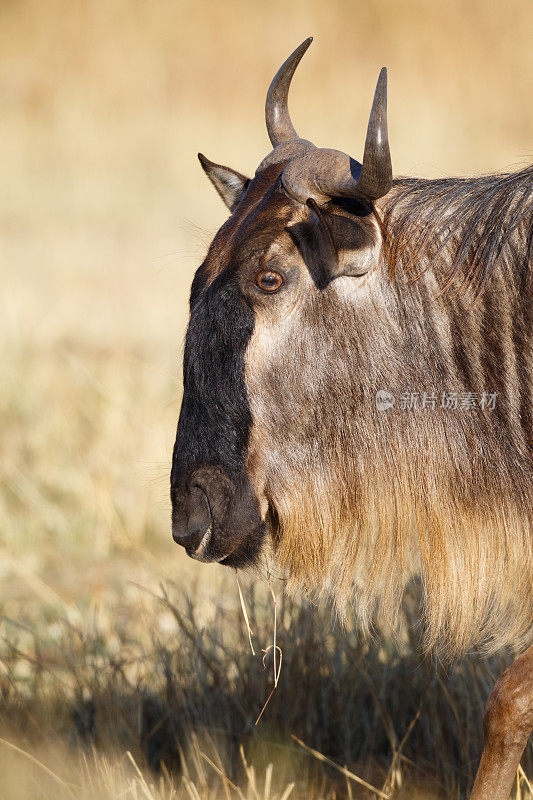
(275, 647)
(245, 615)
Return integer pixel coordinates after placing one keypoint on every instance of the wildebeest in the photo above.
(358, 397)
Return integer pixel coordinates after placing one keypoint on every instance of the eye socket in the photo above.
(268, 280)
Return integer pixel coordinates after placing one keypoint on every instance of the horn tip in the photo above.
(303, 47)
(381, 88)
(279, 126)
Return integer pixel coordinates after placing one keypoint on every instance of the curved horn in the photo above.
(324, 174)
(278, 121)
(375, 179)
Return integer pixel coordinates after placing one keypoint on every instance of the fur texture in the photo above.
(427, 297)
(361, 499)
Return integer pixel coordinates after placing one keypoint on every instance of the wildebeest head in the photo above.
(264, 404)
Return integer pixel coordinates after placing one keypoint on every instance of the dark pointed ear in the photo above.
(349, 241)
(229, 183)
(317, 248)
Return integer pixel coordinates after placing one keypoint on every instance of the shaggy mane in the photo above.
(470, 221)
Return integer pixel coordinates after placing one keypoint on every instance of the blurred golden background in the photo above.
(104, 216)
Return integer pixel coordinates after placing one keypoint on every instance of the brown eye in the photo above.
(269, 281)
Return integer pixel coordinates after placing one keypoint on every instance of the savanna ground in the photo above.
(125, 669)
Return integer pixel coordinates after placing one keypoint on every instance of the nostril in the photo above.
(189, 526)
(200, 513)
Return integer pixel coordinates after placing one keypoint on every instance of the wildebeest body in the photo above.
(332, 286)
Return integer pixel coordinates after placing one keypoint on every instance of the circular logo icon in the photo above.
(384, 400)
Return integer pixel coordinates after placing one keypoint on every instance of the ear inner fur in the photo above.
(230, 184)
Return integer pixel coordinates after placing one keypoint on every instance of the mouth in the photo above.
(236, 539)
(199, 552)
(245, 553)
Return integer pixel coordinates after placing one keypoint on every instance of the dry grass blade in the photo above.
(191, 789)
(268, 781)
(526, 780)
(245, 615)
(348, 785)
(135, 767)
(286, 794)
(388, 785)
(267, 701)
(38, 764)
(342, 770)
(250, 774)
(226, 781)
(275, 647)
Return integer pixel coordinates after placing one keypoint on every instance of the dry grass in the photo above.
(180, 691)
(104, 215)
